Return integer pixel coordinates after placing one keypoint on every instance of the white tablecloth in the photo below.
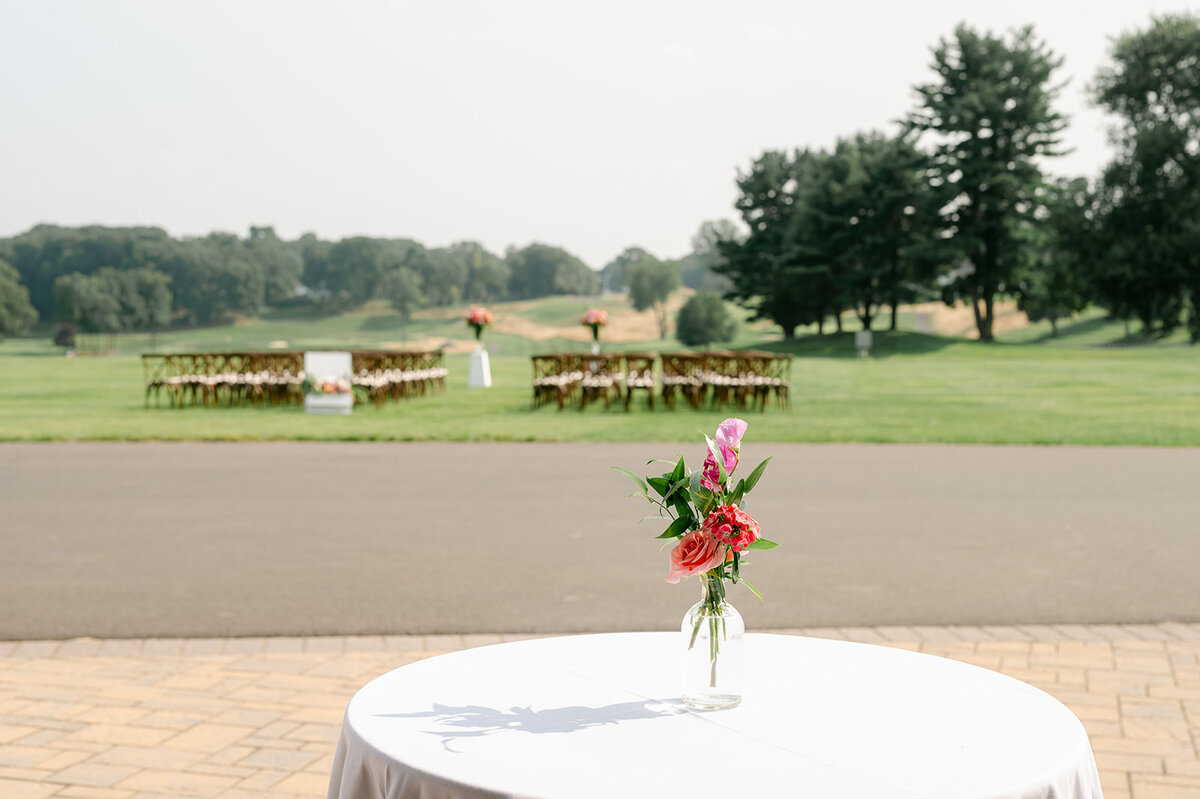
(599, 716)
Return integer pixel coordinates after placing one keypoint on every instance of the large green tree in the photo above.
(213, 278)
(615, 274)
(1150, 194)
(16, 314)
(87, 301)
(113, 300)
(1053, 284)
(780, 270)
(487, 273)
(651, 282)
(696, 268)
(402, 287)
(45, 252)
(989, 117)
(282, 266)
(540, 270)
(871, 217)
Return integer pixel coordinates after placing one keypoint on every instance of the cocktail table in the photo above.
(600, 716)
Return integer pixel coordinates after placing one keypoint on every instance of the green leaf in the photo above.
(754, 591)
(738, 493)
(678, 527)
(680, 471)
(661, 485)
(752, 480)
(676, 486)
(735, 571)
(660, 460)
(681, 507)
(705, 500)
(641, 483)
(763, 543)
(678, 497)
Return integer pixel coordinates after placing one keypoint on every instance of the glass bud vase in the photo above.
(713, 650)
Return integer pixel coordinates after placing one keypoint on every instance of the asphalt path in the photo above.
(222, 539)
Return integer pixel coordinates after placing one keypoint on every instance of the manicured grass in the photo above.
(915, 388)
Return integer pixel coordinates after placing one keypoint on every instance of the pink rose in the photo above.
(731, 526)
(696, 553)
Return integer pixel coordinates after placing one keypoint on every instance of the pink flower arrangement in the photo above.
(705, 510)
(479, 318)
(595, 318)
(326, 385)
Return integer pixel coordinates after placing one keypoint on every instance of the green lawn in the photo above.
(916, 388)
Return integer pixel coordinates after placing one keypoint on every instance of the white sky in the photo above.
(590, 126)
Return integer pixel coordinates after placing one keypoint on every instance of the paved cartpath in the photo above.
(253, 717)
(220, 539)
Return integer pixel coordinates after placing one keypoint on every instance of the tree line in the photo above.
(956, 205)
(110, 279)
(113, 279)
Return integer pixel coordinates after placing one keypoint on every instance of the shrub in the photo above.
(64, 335)
(703, 320)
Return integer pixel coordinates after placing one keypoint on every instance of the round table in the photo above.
(600, 716)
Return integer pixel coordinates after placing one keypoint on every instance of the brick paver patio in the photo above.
(253, 717)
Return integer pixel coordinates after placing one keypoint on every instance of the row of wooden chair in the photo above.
(275, 378)
(389, 375)
(576, 378)
(745, 379)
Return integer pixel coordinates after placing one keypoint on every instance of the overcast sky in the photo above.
(591, 126)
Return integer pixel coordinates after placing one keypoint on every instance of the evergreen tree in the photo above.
(989, 116)
(1149, 201)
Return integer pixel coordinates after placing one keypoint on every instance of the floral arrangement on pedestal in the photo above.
(479, 318)
(595, 318)
(712, 533)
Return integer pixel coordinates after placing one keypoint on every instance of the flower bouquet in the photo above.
(595, 318)
(326, 385)
(479, 318)
(327, 395)
(712, 533)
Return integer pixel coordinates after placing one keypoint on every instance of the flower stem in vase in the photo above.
(713, 534)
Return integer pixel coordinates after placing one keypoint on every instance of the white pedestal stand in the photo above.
(328, 366)
(480, 373)
(862, 342)
(341, 404)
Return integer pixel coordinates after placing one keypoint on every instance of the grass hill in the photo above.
(1092, 385)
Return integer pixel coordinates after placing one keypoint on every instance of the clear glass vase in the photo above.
(713, 650)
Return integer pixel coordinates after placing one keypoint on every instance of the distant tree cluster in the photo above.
(109, 280)
(956, 207)
(650, 281)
